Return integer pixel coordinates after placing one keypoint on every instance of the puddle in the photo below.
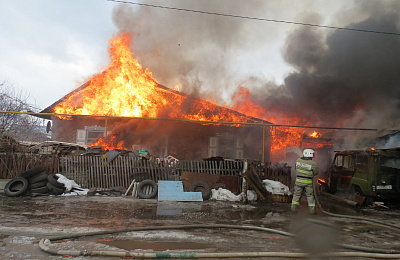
(22, 240)
(155, 245)
(172, 209)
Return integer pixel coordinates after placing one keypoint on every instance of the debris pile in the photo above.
(37, 182)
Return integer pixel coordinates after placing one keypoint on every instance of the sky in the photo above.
(48, 48)
(324, 76)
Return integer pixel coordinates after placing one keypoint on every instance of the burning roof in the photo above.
(125, 89)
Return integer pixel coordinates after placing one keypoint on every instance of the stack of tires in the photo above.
(34, 182)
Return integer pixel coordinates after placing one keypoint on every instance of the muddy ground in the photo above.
(26, 220)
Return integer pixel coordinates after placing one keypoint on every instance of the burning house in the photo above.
(126, 108)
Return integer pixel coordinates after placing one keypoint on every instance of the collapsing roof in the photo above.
(192, 106)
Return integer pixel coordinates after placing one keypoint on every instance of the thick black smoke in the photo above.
(340, 77)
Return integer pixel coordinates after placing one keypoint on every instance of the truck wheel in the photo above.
(356, 190)
(202, 187)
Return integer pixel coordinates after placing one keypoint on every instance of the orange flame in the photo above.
(125, 89)
(321, 181)
(315, 134)
(283, 137)
(107, 143)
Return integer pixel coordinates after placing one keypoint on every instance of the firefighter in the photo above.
(306, 169)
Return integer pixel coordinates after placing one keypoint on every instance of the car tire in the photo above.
(38, 178)
(147, 189)
(38, 184)
(55, 190)
(52, 178)
(33, 171)
(202, 187)
(40, 190)
(16, 187)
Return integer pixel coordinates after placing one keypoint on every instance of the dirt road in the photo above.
(26, 220)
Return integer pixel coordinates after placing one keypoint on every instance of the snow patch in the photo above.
(276, 187)
(71, 187)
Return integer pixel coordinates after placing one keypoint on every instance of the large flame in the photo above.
(107, 143)
(283, 137)
(126, 89)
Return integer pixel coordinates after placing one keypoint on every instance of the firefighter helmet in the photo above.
(308, 153)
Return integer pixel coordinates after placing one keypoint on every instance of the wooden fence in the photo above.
(13, 164)
(96, 172)
(277, 172)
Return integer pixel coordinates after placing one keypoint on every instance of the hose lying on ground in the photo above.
(45, 243)
(376, 222)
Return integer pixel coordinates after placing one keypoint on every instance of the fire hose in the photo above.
(379, 223)
(45, 245)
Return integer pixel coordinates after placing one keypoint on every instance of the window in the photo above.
(348, 163)
(339, 161)
(361, 162)
(345, 162)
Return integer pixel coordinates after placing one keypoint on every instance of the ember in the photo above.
(315, 134)
(321, 181)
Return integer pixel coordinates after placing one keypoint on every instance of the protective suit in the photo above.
(306, 169)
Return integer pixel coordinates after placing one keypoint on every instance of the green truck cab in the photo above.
(373, 173)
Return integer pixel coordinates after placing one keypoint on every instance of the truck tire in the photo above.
(40, 190)
(33, 171)
(55, 190)
(38, 184)
(147, 189)
(52, 178)
(202, 187)
(16, 187)
(38, 178)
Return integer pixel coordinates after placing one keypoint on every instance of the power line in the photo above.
(256, 18)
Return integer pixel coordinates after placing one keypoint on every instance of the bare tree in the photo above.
(17, 125)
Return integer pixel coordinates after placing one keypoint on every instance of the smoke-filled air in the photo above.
(337, 78)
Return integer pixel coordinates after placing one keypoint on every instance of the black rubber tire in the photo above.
(143, 187)
(38, 178)
(38, 184)
(16, 187)
(33, 171)
(204, 188)
(40, 190)
(55, 190)
(52, 178)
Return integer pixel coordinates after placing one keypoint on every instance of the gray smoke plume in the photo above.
(195, 50)
(340, 78)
